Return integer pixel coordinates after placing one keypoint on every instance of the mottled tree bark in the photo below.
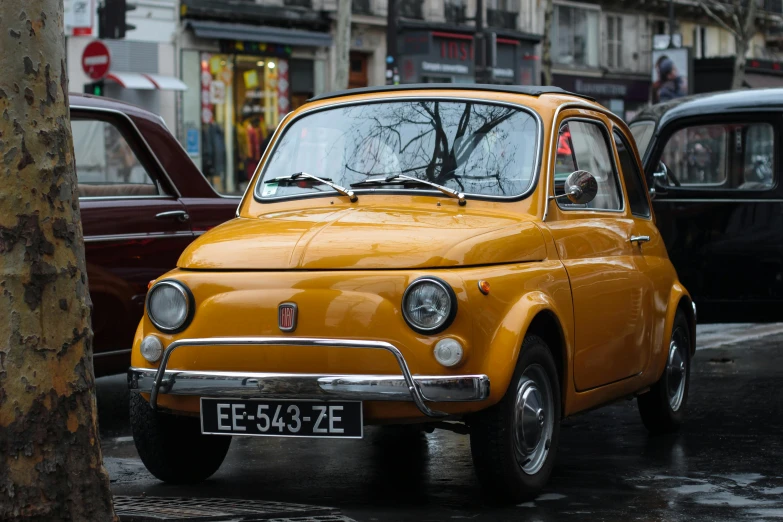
(50, 456)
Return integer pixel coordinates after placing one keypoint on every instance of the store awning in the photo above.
(167, 83)
(132, 80)
(763, 81)
(147, 82)
(257, 33)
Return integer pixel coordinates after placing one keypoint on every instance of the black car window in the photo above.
(588, 146)
(642, 133)
(634, 186)
(106, 164)
(723, 155)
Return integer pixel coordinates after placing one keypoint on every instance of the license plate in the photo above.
(267, 418)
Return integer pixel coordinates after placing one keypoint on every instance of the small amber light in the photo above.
(149, 285)
(483, 286)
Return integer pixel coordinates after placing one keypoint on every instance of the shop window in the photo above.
(576, 36)
(614, 41)
(588, 149)
(106, 164)
(243, 98)
(726, 156)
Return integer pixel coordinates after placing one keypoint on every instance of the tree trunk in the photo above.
(342, 45)
(546, 43)
(742, 40)
(738, 73)
(49, 445)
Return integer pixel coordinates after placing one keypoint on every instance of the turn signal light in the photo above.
(483, 286)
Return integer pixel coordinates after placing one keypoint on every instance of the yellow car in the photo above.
(476, 258)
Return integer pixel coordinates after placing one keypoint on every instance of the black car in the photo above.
(713, 165)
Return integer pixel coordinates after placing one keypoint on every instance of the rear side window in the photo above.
(724, 155)
(637, 198)
(106, 163)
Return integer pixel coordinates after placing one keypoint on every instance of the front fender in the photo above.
(546, 290)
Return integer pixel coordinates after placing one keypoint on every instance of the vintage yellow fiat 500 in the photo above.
(479, 258)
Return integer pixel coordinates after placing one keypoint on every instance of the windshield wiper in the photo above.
(326, 181)
(391, 177)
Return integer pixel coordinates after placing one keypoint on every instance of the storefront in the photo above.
(239, 90)
(623, 96)
(448, 57)
(715, 74)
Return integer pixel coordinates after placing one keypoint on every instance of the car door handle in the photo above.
(179, 215)
(639, 239)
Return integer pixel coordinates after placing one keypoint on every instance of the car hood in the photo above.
(366, 238)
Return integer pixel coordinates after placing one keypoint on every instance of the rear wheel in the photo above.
(663, 407)
(513, 443)
(172, 447)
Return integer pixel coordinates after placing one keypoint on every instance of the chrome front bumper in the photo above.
(406, 387)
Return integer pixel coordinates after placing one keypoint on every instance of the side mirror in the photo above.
(580, 188)
(660, 181)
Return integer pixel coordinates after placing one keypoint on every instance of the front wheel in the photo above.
(513, 443)
(663, 407)
(172, 447)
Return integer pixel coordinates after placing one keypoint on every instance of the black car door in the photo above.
(719, 206)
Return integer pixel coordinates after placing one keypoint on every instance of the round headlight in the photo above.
(170, 305)
(429, 305)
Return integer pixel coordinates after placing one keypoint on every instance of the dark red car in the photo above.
(143, 200)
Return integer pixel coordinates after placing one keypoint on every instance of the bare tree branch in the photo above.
(715, 5)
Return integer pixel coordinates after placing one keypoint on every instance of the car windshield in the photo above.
(642, 132)
(475, 148)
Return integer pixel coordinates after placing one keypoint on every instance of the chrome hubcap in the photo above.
(676, 372)
(533, 422)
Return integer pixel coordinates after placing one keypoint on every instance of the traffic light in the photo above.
(111, 18)
(95, 88)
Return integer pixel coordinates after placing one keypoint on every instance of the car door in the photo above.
(134, 224)
(611, 290)
(720, 210)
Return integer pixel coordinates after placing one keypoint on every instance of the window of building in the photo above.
(243, 98)
(727, 155)
(634, 185)
(585, 146)
(576, 36)
(106, 164)
(614, 41)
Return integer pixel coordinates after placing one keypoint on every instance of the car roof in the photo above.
(760, 100)
(529, 90)
(101, 102)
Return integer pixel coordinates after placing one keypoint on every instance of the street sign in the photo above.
(96, 60)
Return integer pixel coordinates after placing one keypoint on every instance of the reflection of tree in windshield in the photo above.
(472, 147)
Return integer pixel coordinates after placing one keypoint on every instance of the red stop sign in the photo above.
(96, 60)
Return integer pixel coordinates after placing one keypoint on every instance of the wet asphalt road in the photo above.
(725, 464)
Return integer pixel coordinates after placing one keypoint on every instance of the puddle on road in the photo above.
(746, 494)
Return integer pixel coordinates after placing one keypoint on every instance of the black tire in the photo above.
(492, 431)
(172, 447)
(657, 411)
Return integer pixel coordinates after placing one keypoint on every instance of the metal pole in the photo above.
(392, 69)
(480, 58)
(671, 24)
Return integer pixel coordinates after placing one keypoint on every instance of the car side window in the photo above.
(587, 146)
(637, 197)
(723, 155)
(106, 164)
